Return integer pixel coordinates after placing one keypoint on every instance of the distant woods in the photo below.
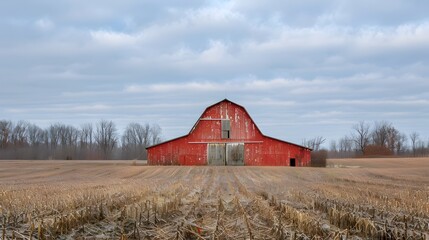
(373, 140)
(24, 140)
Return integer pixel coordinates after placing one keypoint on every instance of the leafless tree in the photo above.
(401, 145)
(387, 136)
(380, 133)
(5, 133)
(427, 146)
(36, 135)
(345, 145)
(135, 139)
(63, 141)
(86, 141)
(155, 133)
(38, 143)
(361, 135)
(333, 146)
(392, 138)
(106, 137)
(414, 137)
(23, 140)
(86, 136)
(314, 143)
(54, 136)
(421, 150)
(19, 134)
(69, 136)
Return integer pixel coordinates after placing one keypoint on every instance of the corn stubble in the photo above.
(217, 203)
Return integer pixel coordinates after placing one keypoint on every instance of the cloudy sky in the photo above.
(302, 68)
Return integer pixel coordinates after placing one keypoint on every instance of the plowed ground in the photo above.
(356, 199)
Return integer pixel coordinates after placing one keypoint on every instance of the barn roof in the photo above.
(228, 101)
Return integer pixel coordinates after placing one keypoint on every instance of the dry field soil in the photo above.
(351, 199)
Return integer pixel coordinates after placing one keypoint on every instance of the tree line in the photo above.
(24, 140)
(377, 139)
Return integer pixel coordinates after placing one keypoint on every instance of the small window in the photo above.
(225, 134)
(226, 128)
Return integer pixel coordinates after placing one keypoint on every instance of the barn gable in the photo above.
(222, 115)
(225, 134)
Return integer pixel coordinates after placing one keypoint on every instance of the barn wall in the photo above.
(253, 154)
(178, 152)
(166, 153)
(242, 127)
(206, 130)
(278, 153)
(259, 150)
(193, 154)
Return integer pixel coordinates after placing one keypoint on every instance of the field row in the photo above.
(116, 200)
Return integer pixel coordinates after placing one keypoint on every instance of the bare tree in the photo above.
(380, 133)
(345, 146)
(23, 140)
(38, 143)
(106, 137)
(135, 140)
(421, 150)
(86, 136)
(54, 136)
(414, 137)
(5, 133)
(86, 141)
(361, 136)
(401, 146)
(19, 134)
(314, 143)
(69, 136)
(155, 132)
(35, 135)
(63, 141)
(392, 138)
(333, 146)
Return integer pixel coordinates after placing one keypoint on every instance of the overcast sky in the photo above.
(302, 68)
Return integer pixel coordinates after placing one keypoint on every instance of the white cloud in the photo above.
(380, 102)
(216, 53)
(221, 13)
(270, 102)
(63, 108)
(294, 86)
(174, 87)
(304, 56)
(44, 24)
(276, 83)
(112, 38)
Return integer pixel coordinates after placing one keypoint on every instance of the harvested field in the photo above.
(356, 199)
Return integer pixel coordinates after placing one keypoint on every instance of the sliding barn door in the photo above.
(235, 154)
(216, 154)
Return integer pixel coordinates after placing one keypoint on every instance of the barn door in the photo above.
(292, 162)
(235, 154)
(216, 154)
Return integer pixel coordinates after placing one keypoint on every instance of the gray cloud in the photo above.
(302, 68)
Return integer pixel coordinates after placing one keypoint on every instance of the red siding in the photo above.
(178, 152)
(259, 149)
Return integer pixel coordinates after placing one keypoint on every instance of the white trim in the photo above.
(213, 119)
(227, 142)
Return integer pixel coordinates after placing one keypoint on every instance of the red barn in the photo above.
(225, 134)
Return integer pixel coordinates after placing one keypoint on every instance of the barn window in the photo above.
(226, 128)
